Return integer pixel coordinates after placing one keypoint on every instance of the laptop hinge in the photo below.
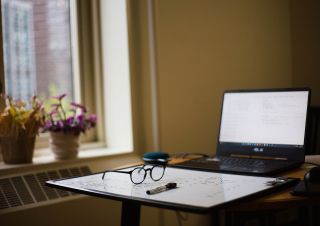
(257, 157)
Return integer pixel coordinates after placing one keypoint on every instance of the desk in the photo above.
(131, 206)
(280, 200)
(283, 199)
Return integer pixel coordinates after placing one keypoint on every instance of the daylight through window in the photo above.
(37, 48)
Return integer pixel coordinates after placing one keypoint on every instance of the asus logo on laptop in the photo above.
(258, 149)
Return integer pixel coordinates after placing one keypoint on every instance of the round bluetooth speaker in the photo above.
(156, 157)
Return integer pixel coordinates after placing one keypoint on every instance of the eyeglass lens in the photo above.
(157, 172)
(139, 174)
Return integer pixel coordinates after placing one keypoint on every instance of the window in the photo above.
(63, 46)
(39, 38)
(37, 48)
(116, 71)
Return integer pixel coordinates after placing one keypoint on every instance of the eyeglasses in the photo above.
(138, 174)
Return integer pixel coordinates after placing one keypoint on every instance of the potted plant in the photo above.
(19, 124)
(65, 127)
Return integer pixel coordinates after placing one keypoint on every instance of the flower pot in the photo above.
(18, 149)
(64, 145)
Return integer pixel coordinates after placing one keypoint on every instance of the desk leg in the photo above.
(130, 215)
(215, 218)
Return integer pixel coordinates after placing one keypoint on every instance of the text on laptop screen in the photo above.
(264, 118)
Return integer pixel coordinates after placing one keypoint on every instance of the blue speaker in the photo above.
(156, 157)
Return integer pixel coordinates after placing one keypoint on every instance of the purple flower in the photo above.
(60, 124)
(47, 124)
(60, 97)
(69, 120)
(53, 112)
(93, 120)
(81, 120)
(55, 105)
(76, 105)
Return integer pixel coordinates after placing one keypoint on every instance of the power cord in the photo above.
(186, 154)
(181, 217)
(311, 163)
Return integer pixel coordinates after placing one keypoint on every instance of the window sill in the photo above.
(46, 159)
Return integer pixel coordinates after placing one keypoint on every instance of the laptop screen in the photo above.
(264, 119)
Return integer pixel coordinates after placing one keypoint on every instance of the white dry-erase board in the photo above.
(195, 189)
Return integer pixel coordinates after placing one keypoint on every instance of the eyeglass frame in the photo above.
(139, 167)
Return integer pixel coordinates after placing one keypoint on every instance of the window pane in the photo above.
(37, 48)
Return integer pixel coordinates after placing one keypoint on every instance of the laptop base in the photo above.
(238, 165)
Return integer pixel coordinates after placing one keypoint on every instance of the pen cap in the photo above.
(171, 185)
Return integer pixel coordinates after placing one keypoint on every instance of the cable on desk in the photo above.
(181, 217)
(311, 163)
(186, 154)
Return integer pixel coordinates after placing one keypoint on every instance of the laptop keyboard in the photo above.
(226, 164)
(250, 162)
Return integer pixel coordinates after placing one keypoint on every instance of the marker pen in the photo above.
(162, 188)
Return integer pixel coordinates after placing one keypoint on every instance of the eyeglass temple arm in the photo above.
(116, 171)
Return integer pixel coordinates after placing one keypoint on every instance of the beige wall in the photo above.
(305, 19)
(203, 48)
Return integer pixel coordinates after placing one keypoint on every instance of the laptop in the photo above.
(262, 132)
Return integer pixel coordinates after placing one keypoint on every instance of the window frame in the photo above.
(85, 66)
(2, 82)
(89, 64)
(91, 74)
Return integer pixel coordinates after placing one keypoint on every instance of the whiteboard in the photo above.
(197, 189)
